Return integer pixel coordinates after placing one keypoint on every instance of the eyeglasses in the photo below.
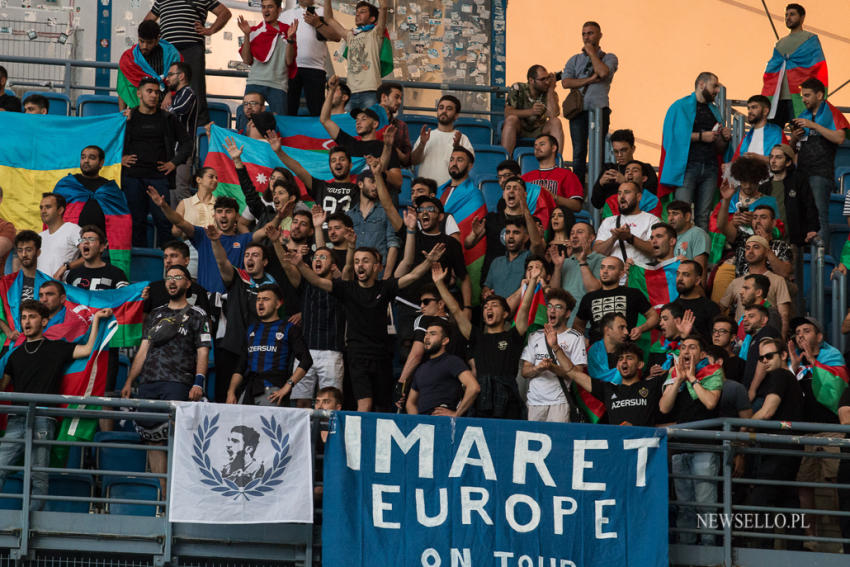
(768, 356)
(720, 331)
(252, 103)
(426, 300)
(175, 278)
(430, 209)
(556, 306)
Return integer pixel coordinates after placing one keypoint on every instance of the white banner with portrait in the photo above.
(236, 464)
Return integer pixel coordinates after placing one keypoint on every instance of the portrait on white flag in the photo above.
(236, 464)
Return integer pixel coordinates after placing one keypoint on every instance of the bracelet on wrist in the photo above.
(199, 381)
(411, 231)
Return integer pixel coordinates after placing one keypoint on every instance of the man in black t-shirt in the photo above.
(95, 274)
(37, 367)
(691, 297)
(175, 253)
(783, 401)
(724, 330)
(614, 298)
(334, 196)
(755, 324)
(365, 303)
(28, 247)
(632, 402)
(443, 384)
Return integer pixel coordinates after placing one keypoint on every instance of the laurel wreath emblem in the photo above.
(228, 488)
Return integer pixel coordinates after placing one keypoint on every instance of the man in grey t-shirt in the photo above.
(591, 70)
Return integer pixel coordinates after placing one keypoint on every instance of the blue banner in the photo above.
(440, 492)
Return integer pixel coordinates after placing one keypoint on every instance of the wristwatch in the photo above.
(290, 382)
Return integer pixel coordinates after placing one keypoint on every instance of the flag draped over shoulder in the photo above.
(119, 223)
(385, 56)
(11, 286)
(676, 142)
(540, 201)
(657, 284)
(709, 376)
(43, 150)
(264, 38)
(827, 116)
(771, 136)
(303, 138)
(597, 367)
(466, 203)
(648, 203)
(807, 61)
(133, 67)
(829, 376)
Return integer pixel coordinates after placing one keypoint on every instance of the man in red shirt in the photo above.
(562, 183)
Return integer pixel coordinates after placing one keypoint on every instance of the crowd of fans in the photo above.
(526, 312)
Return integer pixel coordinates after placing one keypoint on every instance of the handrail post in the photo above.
(721, 104)
(68, 79)
(594, 153)
(738, 129)
(839, 289)
(165, 558)
(29, 430)
(728, 456)
(817, 280)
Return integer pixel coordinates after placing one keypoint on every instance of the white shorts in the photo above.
(557, 413)
(327, 370)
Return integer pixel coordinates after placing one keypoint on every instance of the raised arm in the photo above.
(409, 258)
(172, 216)
(225, 268)
(308, 274)
(384, 196)
(724, 226)
(381, 22)
(423, 267)
(525, 305)
(320, 215)
(325, 114)
(418, 154)
(479, 229)
(245, 50)
(566, 368)
(84, 351)
(335, 27)
(438, 274)
(291, 164)
(290, 43)
(536, 243)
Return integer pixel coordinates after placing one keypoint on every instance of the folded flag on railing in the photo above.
(465, 203)
(133, 67)
(43, 150)
(806, 61)
(302, 137)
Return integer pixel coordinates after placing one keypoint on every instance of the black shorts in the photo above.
(161, 390)
(372, 377)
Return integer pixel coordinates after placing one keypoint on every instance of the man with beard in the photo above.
(576, 264)
(505, 273)
(495, 348)
(531, 109)
(175, 253)
(547, 398)
(240, 446)
(154, 145)
(691, 297)
(626, 235)
(663, 242)
(692, 242)
(561, 183)
(792, 193)
(390, 96)
(694, 137)
(226, 222)
(242, 286)
(366, 122)
(253, 103)
(150, 57)
(433, 148)
(513, 206)
(341, 235)
(724, 331)
(443, 384)
(335, 196)
(614, 298)
(270, 344)
(613, 174)
(323, 324)
(756, 326)
(95, 274)
(692, 393)
(24, 283)
(763, 135)
(602, 355)
(171, 363)
(37, 367)
(636, 171)
(632, 400)
(370, 222)
(779, 254)
(818, 132)
(59, 239)
(429, 212)
(365, 301)
(183, 105)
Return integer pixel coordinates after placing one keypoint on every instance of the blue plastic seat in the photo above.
(132, 488)
(842, 178)
(123, 370)
(486, 160)
(492, 192)
(14, 485)
(415, 122)
(112, 459)
(405, 199)
(836, 209)
(478, 130)
(69, 484)
(96, 105)
(146, 264)
(59, 103)
(202, 142)
(220, 113)
(584, 216)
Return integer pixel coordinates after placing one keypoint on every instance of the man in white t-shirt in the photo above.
(433, 148)
(59, 241)
(311, 58)
(546, 400)
(627, 235)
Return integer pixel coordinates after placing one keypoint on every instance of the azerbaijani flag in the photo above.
(11, 286)
(845, 253)
(113, 202)
(829, 376)
(39, 150)
(676, 143)
(658, 284)
(648, 203)
(537, 316)
(540, 201)
(807, 61)
(771, 136)
(718, 239)
(827, 116)
(385, 56)
(133, 67)
(465, 203)
(597, 367)
(709, 376)
(302, 137)
(127, 306)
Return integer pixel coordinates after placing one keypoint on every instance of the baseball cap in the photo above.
(367, 111)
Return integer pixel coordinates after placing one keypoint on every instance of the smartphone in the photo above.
(311, 9)
(559, 75)
(743, 209)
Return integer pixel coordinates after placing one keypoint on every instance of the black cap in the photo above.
(367, 111)
(797, 321)
(264, 121)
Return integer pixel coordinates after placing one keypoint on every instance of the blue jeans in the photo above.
(700, 491)
(135, 189)
(16, 428)
(822, 188)
(579, 133)
(275, 98)
(699, 187)
(364, 99)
